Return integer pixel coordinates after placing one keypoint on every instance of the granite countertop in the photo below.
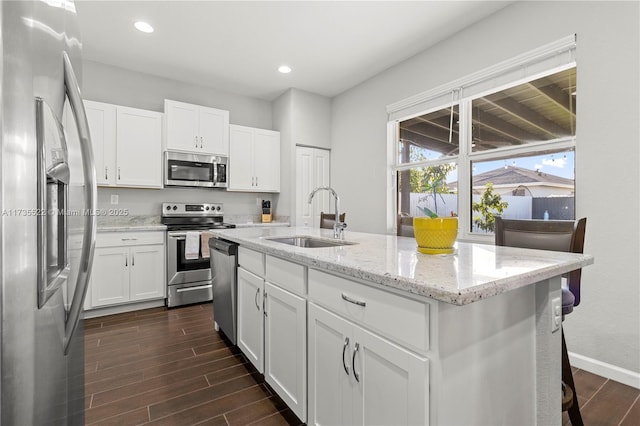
(474, 272)
(262, 224)
(130, 224)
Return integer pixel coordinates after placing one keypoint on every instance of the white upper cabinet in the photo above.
(196, 129)
(139, 148)
(102, 125)
(127, 145)
(254, 159)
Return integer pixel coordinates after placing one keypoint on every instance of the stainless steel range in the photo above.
(188, 271)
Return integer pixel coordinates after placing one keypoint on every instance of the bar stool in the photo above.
(328, 219)
(556, 235)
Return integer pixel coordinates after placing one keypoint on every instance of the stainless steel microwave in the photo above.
(206, 171)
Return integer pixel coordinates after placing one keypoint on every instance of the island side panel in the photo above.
(548, 355)
(484, 361)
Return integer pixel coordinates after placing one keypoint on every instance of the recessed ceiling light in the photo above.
(284, 69)
(143, 26)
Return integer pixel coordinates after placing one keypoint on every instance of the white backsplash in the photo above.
(239, 207)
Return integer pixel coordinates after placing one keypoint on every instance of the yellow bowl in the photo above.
(435, 235)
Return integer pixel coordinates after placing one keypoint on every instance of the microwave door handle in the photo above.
(90, 192)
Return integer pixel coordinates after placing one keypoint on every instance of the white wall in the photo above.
(105, 83)
(303, 118)
(606, 326)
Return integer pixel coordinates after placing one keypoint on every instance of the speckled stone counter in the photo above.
(130, 224)
(474, 272)
(263, 225)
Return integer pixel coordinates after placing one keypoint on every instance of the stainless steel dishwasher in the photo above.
(224, 260)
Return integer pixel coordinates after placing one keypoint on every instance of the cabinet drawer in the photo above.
(400, 319)
(251, 260)
(287, 275)
(119, 239)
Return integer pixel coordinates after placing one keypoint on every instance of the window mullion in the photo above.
(464, 174)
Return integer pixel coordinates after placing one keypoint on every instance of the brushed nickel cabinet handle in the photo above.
(264, 304)
(118, 173)
(256, 298)
(196, 139)
(354, 301)
(106, 173)
(126, 260)
(353, 362)
(344, 349)
(200, 142)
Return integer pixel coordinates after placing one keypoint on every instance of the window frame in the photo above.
(435, 100)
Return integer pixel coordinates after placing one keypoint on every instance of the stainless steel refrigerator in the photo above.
(47, 225)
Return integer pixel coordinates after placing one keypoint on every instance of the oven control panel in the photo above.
(192, 209)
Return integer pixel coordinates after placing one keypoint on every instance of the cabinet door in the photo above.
(147, 273)
(285, 348)
(110, 276)
(102, 127)
(214, 131)
(250, 317)
(266, 160)
(182, 126)
(241, 177)
(330, 393)
(392, 385)
(139, 148)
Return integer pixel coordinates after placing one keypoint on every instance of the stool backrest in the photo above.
(328, 219)
(556, 235)
(405, 226)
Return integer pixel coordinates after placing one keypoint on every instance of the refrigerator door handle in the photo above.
(90, 191)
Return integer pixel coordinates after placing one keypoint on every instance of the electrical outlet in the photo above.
(258, 202)
(114, 199)
(556, 314)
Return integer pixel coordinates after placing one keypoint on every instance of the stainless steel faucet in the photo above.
(338, 226)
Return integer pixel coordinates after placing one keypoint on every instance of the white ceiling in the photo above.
(237, 46)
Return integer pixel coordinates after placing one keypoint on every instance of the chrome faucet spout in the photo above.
(338, 226)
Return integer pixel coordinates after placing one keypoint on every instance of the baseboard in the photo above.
(624, 376)
(119, 309)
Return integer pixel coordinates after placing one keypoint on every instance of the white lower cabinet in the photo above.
(356, 377)
(285, 348)
(146, 273)
(127, 267)
(250, 317)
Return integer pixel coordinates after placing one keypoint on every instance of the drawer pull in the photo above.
(344, 349)
(355, 302)
(194, 288)
(353, 362)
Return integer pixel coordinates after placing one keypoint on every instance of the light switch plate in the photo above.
(556, 314)
(114, 199)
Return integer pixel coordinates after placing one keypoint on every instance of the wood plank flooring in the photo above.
(604, 402)
(170, 367)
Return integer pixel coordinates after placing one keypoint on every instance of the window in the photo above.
(498, 143)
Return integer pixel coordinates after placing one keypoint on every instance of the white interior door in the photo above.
(312, 170)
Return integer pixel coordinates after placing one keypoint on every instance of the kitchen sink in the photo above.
(310, 242)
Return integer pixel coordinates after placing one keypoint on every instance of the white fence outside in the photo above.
(519, 207)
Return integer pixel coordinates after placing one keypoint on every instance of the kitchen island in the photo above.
(375, 332)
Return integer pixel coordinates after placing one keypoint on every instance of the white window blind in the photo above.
(546, 59)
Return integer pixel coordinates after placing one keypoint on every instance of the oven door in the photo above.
(189, 170)
(181, 270)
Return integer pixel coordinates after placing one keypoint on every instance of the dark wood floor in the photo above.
(604, 402)
(170, 367)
